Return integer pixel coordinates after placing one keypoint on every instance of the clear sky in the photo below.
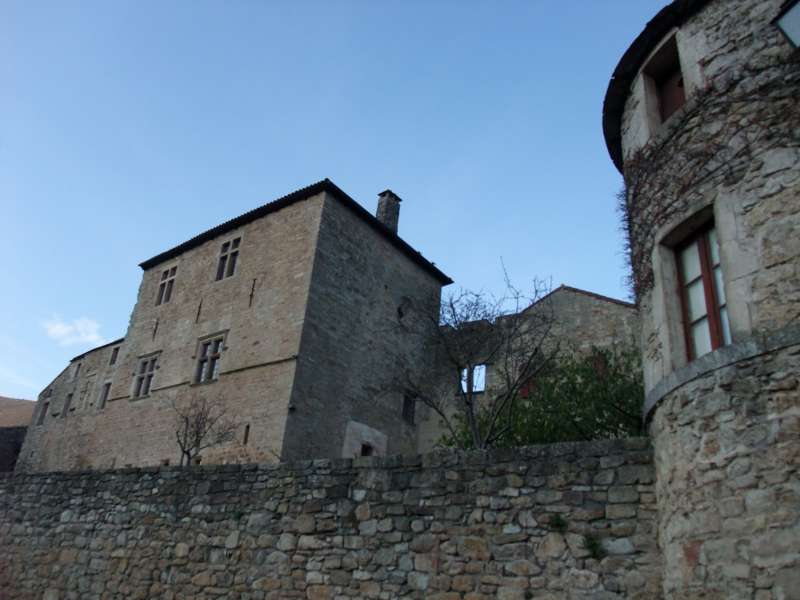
(127, 127)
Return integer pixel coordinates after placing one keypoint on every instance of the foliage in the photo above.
(580, 396)
(474, 329)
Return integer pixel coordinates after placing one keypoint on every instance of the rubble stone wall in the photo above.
(551, 522)
(728, 481)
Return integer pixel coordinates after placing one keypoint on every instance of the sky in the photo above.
(127, 127)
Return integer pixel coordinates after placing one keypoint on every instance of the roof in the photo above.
(567, 288)
(671, 16)
(106, 345)
(15, 412)
(326, 185)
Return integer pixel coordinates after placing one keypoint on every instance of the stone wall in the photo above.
(260, 310)
(354, 348)
(550, 522)
(729, 156)
(728, 481)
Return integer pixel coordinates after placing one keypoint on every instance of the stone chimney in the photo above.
(388, 211)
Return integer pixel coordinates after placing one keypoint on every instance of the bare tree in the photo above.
(506, 339)
(200, 425)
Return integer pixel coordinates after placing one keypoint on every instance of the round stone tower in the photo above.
(702, 117)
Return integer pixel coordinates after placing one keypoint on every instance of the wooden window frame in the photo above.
(165, 285)
(713, 308)
(228, 258)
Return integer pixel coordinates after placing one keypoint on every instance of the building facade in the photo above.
(701, 117)
(290, 319)
(270, 317)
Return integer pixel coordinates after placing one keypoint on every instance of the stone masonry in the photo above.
(304, 344)
(568, 521)
(725, 425)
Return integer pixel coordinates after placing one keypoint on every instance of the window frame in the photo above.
(712, 306)
(205, 361)
(228, 258)
(105, 392)
(43, 412)
(463, 378)
(166, 285)
(144, 375)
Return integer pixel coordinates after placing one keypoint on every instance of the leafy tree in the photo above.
(580, 396)
(475, 332)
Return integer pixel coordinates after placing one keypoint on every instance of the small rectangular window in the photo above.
(705, 307)
(409, 408)
(114, 355)
(43, 412)
(143, 382)
(104, 395)
(77, 371)
(67, 405)
(209, 355)
(228, 257)
(165, 285)
(478, 376)
(664, 68)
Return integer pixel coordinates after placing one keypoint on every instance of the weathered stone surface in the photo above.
(265, 532)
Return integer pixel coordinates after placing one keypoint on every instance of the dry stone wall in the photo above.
(560, 521)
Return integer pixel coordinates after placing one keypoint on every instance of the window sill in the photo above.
(202, 383)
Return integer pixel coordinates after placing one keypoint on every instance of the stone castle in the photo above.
(283, 317)
(701, 118)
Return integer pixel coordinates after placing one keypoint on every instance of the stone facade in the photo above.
(569, 521)
(313, 341)
(724, 425)
(314, 270)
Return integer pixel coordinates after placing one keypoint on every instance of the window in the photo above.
(114, 355)
(409, 408)
(104, 395)
(67, 405)
(367, 450)
(478, 378)
(228, 255)
(246, 437)
(165, 287)
(77, 371)
(705, 309)
(144, 376)
(43, 412)
(664, 69)
(208, 360)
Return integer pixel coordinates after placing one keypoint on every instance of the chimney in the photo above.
(388, 211)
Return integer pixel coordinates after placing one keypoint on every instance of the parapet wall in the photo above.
(447, 525)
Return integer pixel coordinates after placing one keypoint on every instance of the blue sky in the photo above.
(128, 127)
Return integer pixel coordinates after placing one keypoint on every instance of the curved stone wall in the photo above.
(732, 151)
(725, 426)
